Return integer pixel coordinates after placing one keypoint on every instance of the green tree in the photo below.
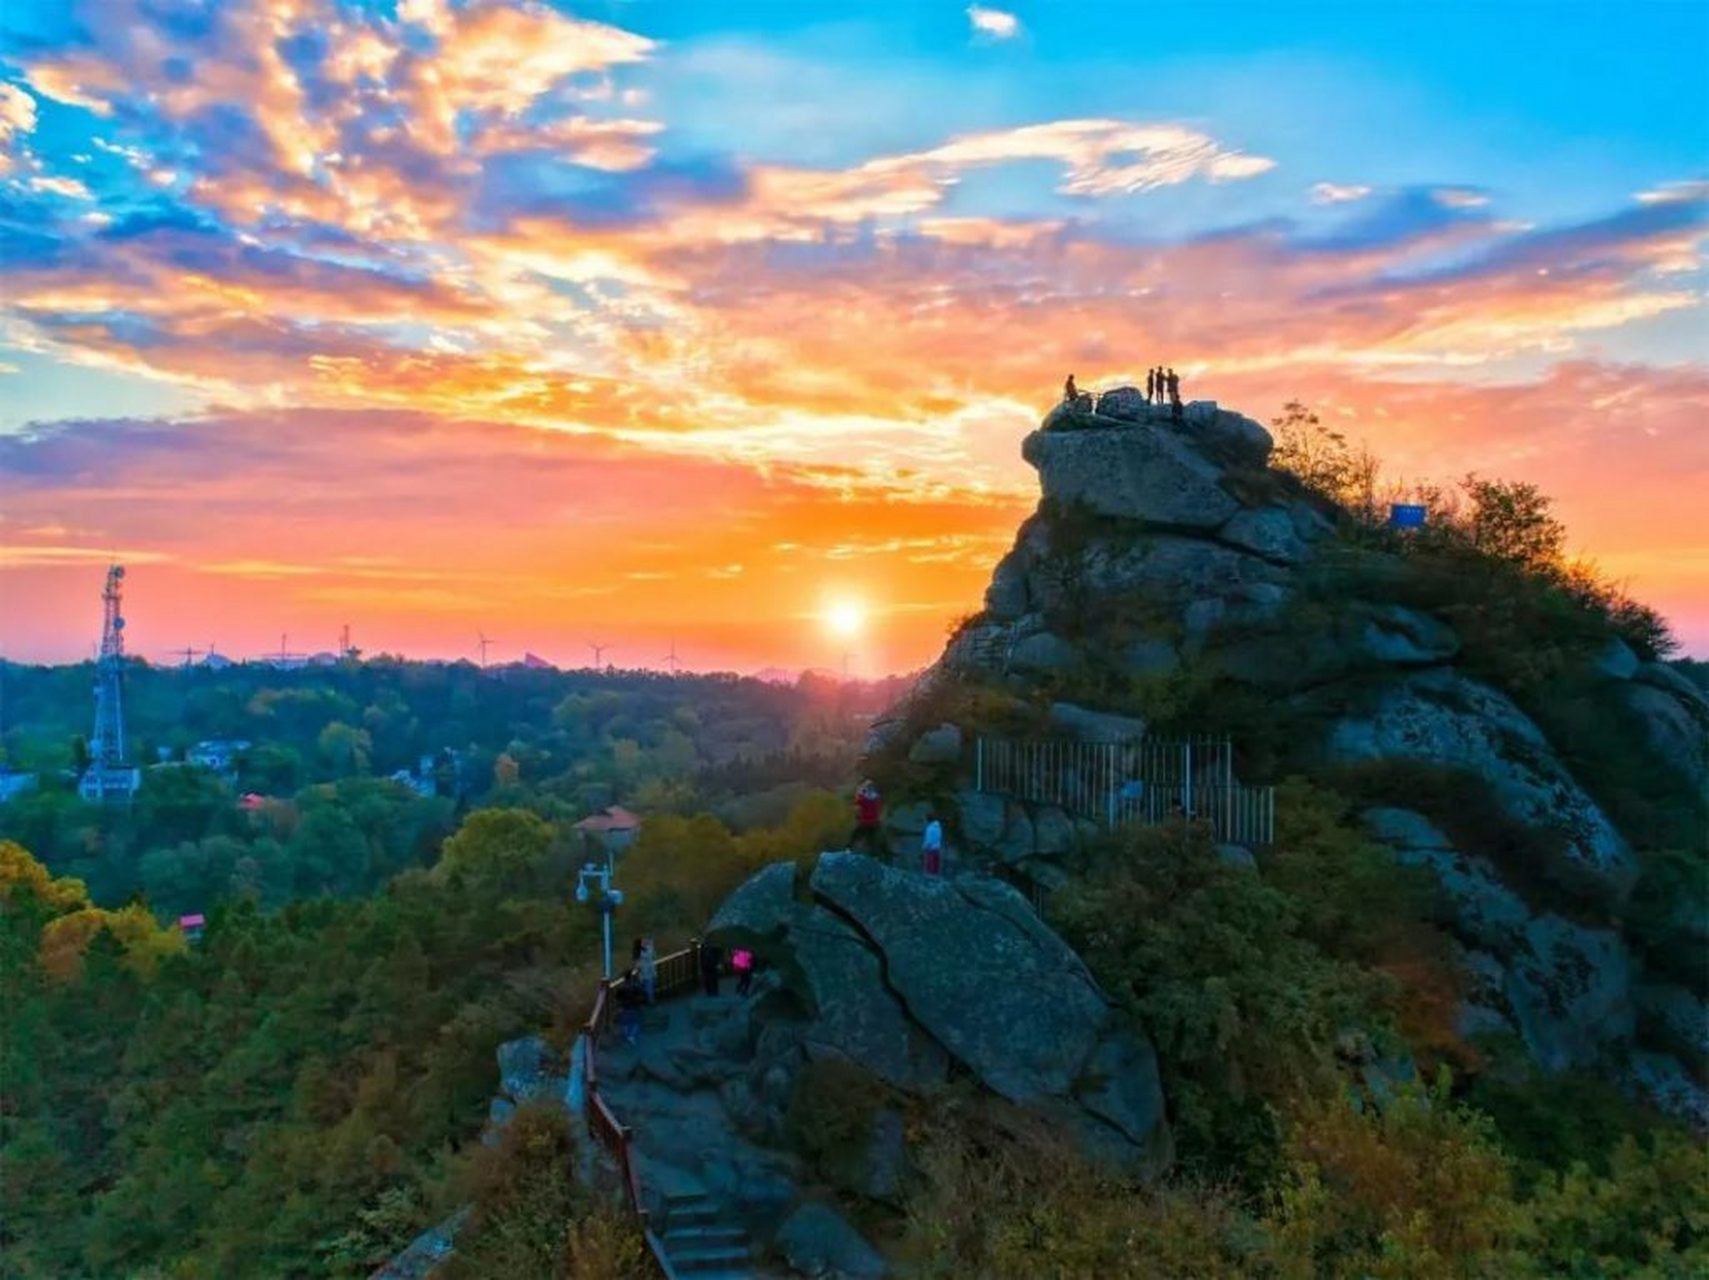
(500, 847)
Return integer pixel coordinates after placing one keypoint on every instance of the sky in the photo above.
(654, 324)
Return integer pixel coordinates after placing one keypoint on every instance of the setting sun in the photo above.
(845, 618)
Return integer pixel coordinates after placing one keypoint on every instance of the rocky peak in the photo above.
(1167, 554)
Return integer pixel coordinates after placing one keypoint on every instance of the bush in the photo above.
(1213, 962)
(829, 1120)
(531, 1217)
(1003, 1195)
(1416, 1188)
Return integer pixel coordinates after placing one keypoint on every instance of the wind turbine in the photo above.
(484, 642)
(598, 655)
(671, 657)
(187, 653)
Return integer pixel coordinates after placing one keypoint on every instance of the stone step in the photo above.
(691, 1235)
(709, 1258)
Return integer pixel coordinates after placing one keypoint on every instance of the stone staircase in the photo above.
(699, 1245)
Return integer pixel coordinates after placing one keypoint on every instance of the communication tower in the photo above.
(108, 777)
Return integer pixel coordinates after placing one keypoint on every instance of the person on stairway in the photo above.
(630, 998)
(711, 962)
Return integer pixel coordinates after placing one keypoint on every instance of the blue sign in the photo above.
(1405, 516)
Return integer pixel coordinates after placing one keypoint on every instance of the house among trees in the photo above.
(610, 831)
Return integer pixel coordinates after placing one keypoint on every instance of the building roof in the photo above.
(615, 818)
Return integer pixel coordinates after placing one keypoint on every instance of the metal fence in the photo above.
(1138, 781)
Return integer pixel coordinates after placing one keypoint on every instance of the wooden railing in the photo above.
(675, 972)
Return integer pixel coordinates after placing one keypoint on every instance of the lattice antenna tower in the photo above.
(108, 775)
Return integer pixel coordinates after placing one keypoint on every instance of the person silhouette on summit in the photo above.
(1150, 384)
(1070, 392)
(1174, 394)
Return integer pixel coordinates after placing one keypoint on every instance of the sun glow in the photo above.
(845, 618)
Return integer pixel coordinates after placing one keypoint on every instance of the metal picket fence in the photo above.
(1137, 781)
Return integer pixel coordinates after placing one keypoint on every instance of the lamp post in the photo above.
(608, 901)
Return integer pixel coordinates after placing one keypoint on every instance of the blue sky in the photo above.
(850, 245)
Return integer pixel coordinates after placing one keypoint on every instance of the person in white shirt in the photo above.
(932, 846)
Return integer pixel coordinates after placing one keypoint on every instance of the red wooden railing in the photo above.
(675, 972)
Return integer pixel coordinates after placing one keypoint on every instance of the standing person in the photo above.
(932, 846)
(1150, 384)
(742, 961)
(711, 959)
(1070, 392)
(1175, 394)
(869, 812)
(647, 961)
(629, 1000)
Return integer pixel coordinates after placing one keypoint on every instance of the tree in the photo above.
(344, 749)
(21, 873)
(496, 846)
(1509, 520)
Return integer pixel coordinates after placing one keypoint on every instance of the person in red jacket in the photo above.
(869, 814)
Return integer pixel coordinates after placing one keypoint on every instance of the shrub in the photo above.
(1004, 1195)
(830, 1115)
(1416, 1188)
(1212, 962)
(530, 1215)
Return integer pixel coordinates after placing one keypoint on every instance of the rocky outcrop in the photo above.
(818, 1241)
(975, 969)
(1166, 560)
(1443, 719)
(905, 974)
(838, 975)
(939, 746)
(1134, 472)
(1562, 987)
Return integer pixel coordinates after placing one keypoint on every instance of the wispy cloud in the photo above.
(1338, 192)
(993, 23)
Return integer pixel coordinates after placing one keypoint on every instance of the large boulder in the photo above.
(983, 816)
(529, 1069)
(1085, 725)
(1168, 571)
(1673, 729)
(1006, 598)
(1043, 653)
(1054, 833)
(1137, 472)
(1229, 436)
(1663, 677)
(1677, 1019)
(1666, 1083)
(1269, 532)
(1360, 638)
(1439, 718)
(1565, 987)
(1122, 1087)
(941, 745)
(838, 977)
(1126, 403)
(996, 988)
(817, 1241)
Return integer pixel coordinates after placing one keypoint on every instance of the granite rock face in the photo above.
(1134, 472)
(906, 974)
(1167, 557)
(1439, 718)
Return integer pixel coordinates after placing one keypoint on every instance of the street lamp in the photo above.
(609, 900)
